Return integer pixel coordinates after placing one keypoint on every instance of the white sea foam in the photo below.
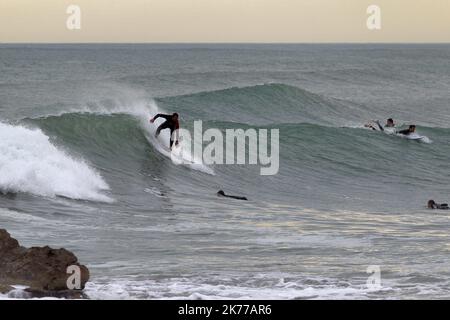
(259, 287)
(30, 163)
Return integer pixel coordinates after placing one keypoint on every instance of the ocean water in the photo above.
(78, 168)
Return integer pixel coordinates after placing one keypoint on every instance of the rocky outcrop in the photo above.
(42, 269)
(5, 288)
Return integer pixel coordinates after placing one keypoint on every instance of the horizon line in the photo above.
(228, 42)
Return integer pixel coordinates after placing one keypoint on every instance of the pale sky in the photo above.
(225, 21)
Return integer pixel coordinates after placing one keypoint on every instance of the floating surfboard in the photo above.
(415, 137)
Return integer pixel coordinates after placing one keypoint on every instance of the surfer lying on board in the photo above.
(170, 123)
(434, 205)
(389, 124)
(406, 132)
(222, 194)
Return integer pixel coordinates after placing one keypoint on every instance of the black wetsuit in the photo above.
(405, 132)
(168, 124)
(222, 194)
(442, 206)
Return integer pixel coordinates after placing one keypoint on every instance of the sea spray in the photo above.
(30, 163)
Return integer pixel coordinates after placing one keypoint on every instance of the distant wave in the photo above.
(265, 104)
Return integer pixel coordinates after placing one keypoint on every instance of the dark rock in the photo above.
(5, 288)
(42, 269)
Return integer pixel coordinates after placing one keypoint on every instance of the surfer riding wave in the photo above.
(171, 123)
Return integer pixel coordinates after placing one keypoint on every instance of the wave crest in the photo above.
(30, 163)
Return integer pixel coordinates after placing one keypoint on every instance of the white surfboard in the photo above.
(178, 155)
(416, 137)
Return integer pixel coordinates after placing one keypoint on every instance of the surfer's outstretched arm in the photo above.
(160, 115)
